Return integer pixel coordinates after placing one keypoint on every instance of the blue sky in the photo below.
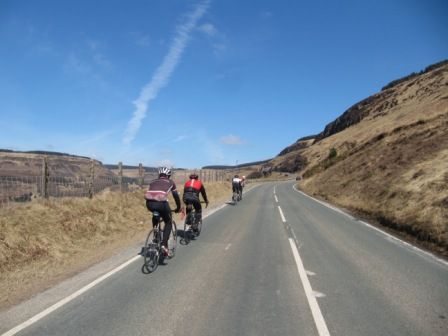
(190, 83)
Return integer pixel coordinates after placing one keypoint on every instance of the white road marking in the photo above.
(68, 299)
(281, 214)
(310, 273)
(324, 204)
(393, 238)
(318, 294)
(228, 246)
(276, 199)
(314, 306)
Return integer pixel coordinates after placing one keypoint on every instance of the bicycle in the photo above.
(236, 197)
(192, 227)
(152, 251)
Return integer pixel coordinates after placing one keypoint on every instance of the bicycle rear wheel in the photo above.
(198, 228)
(172, 242)
(151, 251)
(187, 230)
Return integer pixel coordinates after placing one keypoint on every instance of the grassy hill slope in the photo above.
(387, 157)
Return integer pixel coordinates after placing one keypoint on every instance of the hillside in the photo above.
(386, 157)
(17, 164)
(22, 176)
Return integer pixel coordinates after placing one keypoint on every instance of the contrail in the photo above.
(162, 75)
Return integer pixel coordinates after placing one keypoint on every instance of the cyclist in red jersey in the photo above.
(157, 200)
(192, 188)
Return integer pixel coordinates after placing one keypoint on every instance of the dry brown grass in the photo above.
(44, 242)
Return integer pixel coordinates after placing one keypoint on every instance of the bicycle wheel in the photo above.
(172, 242)
(198, 228)
(151, 251)
(186, 234)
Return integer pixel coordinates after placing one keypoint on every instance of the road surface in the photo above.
(278, 263)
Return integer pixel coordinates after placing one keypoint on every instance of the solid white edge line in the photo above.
(281, 214)
(324, 204)
(84, 289)
(312, 301)
(415, 248)
(62, 302)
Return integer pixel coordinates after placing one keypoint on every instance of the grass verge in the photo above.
(46, 241)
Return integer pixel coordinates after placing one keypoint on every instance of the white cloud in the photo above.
(164, 163)
(219, 47)
(163, 73)
(141, 39)
(97, 56)
(231, 140)
(266, 14)
(208, 29)
(180, 138)
(85, 71)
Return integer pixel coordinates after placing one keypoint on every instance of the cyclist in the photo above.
(243, 182)
(157, 200)
(192, 188)
(236, 186)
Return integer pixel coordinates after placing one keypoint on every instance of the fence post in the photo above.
(120, 175)
(91, 178)
(45, 178)
(140, 174)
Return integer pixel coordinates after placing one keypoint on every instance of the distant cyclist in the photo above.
(236, 186)
(157, 200)
(243, 182)
(192, 188)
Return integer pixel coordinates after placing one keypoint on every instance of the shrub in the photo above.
(333, 153)
(255, 175)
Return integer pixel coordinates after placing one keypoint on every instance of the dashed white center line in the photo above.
(228, 246)
(276, 199)
(281, 214)
(310, 294)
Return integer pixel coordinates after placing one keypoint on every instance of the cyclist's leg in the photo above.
(198, 209)
(188, 210)
(166, 215)
(153, 206)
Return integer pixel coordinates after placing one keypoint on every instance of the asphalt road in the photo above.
(278, 263)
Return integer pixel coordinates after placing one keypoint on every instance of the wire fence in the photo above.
(45, 181)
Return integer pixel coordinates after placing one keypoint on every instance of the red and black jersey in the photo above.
(159, 189)
(193, 187)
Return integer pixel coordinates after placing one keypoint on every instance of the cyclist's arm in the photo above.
(175, 196)
(204, 194)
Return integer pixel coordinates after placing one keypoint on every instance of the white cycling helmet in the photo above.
(165, 171)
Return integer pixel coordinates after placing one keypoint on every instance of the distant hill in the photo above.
(146, 169)
(243, 165)
(49, 153)
(385, 157)
(378, 103)
(19, 164)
